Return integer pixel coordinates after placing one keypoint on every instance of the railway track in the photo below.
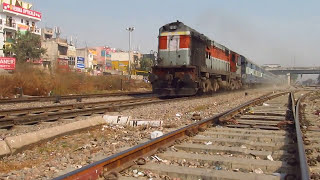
(33, 115)
(69, 97)
(28, 116)
(309, 108)
(257, 140)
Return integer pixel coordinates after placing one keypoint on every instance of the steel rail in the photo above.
(68, 97)
(126, 158)
(51, 116)
(304, 168)
(8, 112)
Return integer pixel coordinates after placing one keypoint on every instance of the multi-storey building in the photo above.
(120, 60)
(16, 17)
(56, 55)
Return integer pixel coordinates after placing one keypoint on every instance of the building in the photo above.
(57, 50)
(86, 56)
(72, 56)
(120, 60)
(16, 17)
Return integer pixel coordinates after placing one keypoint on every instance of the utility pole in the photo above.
(130, 29)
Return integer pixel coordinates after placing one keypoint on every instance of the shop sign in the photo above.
(7, 63)
(80, 60)
(20, 10)
(93, 52)
(80, 66)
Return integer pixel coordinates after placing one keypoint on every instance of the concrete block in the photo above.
(151, 123)
(19, 142)
(121, 120)
(4, 149)
(201, 173)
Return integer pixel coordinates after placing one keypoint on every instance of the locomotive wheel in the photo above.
(215, 85)
(203, 86)
(232, 85)
(208, 86)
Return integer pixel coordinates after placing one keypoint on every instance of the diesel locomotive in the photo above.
(189, 63)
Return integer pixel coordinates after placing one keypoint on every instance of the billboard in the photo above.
(21, 11)
(80, 60)
(80, 66)
(7, 63)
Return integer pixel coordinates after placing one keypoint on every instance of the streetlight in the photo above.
(130, 29)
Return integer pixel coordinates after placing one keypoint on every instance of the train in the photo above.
(189, 63)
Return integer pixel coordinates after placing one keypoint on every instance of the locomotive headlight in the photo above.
(173, 27)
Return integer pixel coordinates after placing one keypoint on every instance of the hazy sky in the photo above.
(286, 32)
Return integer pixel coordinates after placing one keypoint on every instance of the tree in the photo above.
(146, 64)
(27, 46)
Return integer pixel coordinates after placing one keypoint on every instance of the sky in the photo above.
(285, 32)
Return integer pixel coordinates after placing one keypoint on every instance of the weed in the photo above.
(39, 82)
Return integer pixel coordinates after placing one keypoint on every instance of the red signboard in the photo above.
(20, 10)
(7, 63)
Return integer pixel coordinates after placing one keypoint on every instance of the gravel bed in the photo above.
(71, 152)
(51, 103)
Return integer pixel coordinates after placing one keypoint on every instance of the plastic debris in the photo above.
(270, 157)
(208, 143)
(156, 158)
(276, 174)
(243, 147)
(135, 171)
(178, 115)
(104, 128)
(265, 104)
(156, 134)
(258, 171)
(218, 168)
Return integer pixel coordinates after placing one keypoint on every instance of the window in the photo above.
(21, 20)
(72, 61)
(27, 23)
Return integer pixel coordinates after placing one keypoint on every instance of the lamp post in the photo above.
(130, 29)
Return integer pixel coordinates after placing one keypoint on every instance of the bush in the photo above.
(39, 82)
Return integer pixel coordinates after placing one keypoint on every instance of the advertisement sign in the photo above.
(80, 66)
(93, 52)
(20, 10)
(7, 63)
(80, 60)
(22, 28)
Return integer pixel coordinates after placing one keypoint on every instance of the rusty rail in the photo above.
(53, 98)
(122, 160)
(304, 168)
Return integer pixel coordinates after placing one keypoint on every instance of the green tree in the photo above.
(27, 46)
(146, 64)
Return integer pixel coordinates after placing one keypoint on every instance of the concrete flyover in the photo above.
(293, 70)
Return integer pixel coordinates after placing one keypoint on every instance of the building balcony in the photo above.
(10, 26)
(35, 30)
(47, 31)
(10, 40)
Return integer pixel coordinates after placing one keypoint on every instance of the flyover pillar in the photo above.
(289, 78)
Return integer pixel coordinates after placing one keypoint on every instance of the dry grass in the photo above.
(37, 82)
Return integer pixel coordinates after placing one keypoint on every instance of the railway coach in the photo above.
(189, 63)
